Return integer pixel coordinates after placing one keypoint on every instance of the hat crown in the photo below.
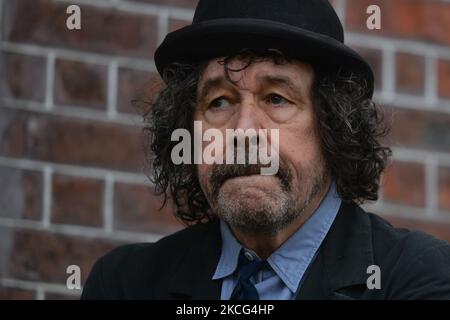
(313, 15)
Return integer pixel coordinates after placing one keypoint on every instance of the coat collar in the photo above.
(343, 258)
(342, 261)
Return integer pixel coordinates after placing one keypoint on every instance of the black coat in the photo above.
(413, 265)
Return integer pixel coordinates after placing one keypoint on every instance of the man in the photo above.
(299, 233)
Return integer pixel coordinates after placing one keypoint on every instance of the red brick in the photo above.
(405, 183)
(80, 84)
(444, 188)
(23, 76)
(135, 89)
(425, 130)
(41, 256)
(437, 229)
(71, 141)
(189, 4)
(375, 59)
(13, 137)
(137, 208)
(175, 24)
(7, 293)
(410, 73)
(77, 200)
(21, 194)
(419, 20)
(444, 78)
(103, 30)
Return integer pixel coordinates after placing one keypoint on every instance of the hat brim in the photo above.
(222, 37)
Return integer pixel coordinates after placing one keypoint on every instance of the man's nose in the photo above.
(248, 116)
(247, 124)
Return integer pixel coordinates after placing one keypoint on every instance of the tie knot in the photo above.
(249, 267)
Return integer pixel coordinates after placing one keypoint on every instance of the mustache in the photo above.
(223, 172)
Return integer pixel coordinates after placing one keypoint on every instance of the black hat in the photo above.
(308, 30)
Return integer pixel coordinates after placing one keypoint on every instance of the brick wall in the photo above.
(71, 156)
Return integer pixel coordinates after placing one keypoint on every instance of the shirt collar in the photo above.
(291, 260)
(230, 253)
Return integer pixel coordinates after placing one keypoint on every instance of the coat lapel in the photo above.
(193, 279)
(343, 258)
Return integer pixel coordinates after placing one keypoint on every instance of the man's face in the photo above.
(265, 96)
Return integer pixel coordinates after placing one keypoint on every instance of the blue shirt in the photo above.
(288, 263)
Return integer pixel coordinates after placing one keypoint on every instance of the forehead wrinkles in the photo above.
(242, 79)
(293, 70)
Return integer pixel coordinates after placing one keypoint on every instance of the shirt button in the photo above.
(248, 255)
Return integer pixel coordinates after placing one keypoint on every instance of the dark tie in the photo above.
(245, 289)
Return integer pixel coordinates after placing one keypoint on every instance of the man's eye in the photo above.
(276, 99)
(219, 103)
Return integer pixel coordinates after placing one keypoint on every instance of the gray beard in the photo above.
(271, 216)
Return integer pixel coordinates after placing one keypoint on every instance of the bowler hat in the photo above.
(308, 30)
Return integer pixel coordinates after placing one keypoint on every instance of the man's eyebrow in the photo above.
(220, 81)
(296, 90)
(209, 85)
(282, 81)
